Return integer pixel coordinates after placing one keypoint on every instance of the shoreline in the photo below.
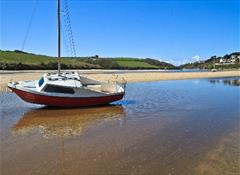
(128, 76)
(95, 71)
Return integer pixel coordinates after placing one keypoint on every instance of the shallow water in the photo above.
(167, 127)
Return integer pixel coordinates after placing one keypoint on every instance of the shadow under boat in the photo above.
(65, 122)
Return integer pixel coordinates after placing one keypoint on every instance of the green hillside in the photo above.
(27, 58)
(228, 61)
(18, 60)
(135, 64)
(147, 63)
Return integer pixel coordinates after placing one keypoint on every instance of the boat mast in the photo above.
(59, 38)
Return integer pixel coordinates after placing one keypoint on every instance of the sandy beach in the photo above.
(129, 76)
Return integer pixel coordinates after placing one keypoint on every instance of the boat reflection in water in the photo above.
(64, 122)
(227, 81)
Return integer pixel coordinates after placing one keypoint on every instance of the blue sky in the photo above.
(174, 30)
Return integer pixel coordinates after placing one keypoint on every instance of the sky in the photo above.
(177, 31)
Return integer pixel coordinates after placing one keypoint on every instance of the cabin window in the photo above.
(59, 89)
(40, 82)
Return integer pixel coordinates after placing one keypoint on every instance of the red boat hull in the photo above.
(66, 101)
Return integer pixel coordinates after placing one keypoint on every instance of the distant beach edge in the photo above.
(128, 76)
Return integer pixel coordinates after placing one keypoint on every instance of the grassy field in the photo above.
(15, 57)
(134, 64)
(18, 60)
(14, 60)
(146, 63)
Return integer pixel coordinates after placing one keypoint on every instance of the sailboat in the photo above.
(67, 89)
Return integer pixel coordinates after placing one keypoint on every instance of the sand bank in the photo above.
(128, 76)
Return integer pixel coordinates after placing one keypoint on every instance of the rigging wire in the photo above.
(68, 29)
(29, 24)
(68, 33)
(65, 42)
(66, 37)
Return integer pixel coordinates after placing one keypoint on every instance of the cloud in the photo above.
(196, 58)
(177, 62)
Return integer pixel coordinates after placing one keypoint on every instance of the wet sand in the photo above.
(141, 76)
(223, 158)
(168, 127)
